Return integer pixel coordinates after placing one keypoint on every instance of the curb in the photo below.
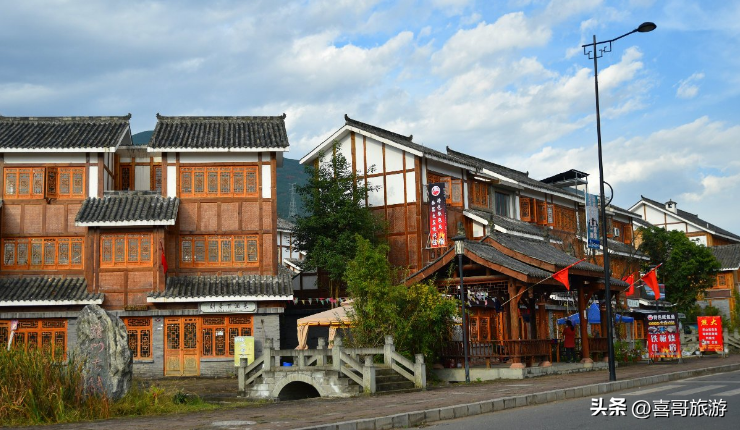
(417, 418)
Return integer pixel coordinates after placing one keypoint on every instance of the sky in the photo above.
(503, 80)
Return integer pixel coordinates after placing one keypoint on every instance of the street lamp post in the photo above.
(596, 52)
(459, 251)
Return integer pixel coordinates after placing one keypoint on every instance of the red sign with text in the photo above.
(710, 334)
(663, 339)
(437, 216)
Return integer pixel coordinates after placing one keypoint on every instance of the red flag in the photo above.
(164, 259)
(562, 275)
(630, 279)
(651, 279)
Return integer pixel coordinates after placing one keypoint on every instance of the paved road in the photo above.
(675, 405)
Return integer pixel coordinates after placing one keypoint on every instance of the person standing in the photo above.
(569, 341)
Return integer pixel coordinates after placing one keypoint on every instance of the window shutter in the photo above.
(457, 192)
(525, 209)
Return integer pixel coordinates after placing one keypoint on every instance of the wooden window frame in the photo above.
(525, 209)
(63, 256)
(108, 257)
(33, 332)
(225, 327)
(479, 193)
(75, 188)
(507, 198)
(248, 186)
(215, 249)
(453, 188)
(139, 337)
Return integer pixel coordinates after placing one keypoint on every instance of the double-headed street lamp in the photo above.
(459, 240)
(594, 51)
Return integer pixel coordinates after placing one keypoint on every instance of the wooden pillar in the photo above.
(543, 331)
(585, 352)
(532, 319)
(513, 312)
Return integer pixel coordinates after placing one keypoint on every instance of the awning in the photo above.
(594, 317)
(333, 318)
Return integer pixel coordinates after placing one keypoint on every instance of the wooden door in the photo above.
(181, 354)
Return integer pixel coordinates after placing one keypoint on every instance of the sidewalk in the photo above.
(410, 409)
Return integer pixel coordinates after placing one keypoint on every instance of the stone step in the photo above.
(394, 386)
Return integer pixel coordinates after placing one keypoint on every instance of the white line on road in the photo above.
(727, 393)
(697, 390)
(653, 390)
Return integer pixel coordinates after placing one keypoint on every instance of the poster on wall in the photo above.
(663, 340)
(710, 334)
(437, 215)
(592, 221)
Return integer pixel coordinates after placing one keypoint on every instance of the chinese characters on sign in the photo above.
(643, 409)
(592, 218)
(663, 339)
(437, 215)
(710, 334)
(227, 307)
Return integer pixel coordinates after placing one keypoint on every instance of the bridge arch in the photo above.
(299, 379)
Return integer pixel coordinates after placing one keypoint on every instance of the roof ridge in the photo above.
(462, 154)
(409, 138)
(219, 118)
(65, 118)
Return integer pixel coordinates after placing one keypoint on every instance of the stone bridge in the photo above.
(335, 372)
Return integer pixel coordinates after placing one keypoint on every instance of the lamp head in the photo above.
(646, 27)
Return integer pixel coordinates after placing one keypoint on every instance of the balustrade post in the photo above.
(242, 376)
(320, 360)
(420, 372)
(267, 353)
(301, 359)
(336, 354)
(388, 350)
(368, 375)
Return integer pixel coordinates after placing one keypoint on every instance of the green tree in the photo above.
(334, 212)
(418, 316)
(688, 269)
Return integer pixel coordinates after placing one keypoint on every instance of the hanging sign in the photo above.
(592, 221)
(710, 334)
(227, 307)
(437, 215)
(663, 339)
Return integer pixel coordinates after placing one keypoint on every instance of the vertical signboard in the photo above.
(437, 215)
(710, 334)
(243, 348)
(663, 340)
(592, 221)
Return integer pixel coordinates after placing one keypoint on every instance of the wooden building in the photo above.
(177, 237)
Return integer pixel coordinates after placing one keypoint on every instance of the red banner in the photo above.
(663, 339)
(710, 334)
(437, 215)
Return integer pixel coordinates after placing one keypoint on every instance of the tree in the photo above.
(335, 211)
(688, 269)
(418, 316)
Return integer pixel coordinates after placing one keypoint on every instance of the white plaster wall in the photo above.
(171, 181)
(92, 179)
(409, 161)
(266, 181)
(395, 191)
(477, 229)
(346, 150)
(375, 155)
(411, 186)
(393, 159)
(652, 215)
(142, 180)
(375, 198)
(145, 159)
(444, 169)
(44, 158)
(220, 157)
(359, 153)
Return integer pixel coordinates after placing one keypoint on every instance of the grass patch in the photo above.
(36, 389)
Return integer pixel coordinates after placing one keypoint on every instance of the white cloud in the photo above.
(688, 88)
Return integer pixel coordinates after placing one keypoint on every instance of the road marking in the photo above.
(697, 390)
(727, 393)
(653, 390)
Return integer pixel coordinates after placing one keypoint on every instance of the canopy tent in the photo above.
(594, 317)
(332, 318)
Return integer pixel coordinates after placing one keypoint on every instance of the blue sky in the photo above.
(502, 80)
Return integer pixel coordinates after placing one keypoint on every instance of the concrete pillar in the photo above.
(320, 360)
(388, 350)
(267, 353)
(368, 375)
(420, 372)
(336, 352)
(242, 376)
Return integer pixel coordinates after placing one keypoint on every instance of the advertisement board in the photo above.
(243, 348)
(592, 221)
(710, 334)
(437, 216)
(663, 339)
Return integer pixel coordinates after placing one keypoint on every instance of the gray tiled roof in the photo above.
(284, 224)
(624, 248)
(489, 253)
(403, 140)
(693, 218)
(542, 251)
(192, 287)
(510, 224)
(727, 255)
(219, 133)
(16, 291)
(62, 133)
(128, 207)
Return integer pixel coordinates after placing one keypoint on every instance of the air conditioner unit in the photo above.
(616, 232)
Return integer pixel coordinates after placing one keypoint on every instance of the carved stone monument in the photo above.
(102, 346)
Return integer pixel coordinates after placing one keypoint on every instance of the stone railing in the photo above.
(354, 363)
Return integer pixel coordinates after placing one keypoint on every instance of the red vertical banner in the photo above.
(437, 215)
(710, 334)
(663, 339)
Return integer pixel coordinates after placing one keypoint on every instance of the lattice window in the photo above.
(24, 183)
(479, 193)
(126, 250)
(218, 333)
(65, 182)
(139, 336)
(46, 253)
(50, 334)
(221, 181)
(155, 183)
(525, 209)
(125, 175)
(501, 204)
(218, 251)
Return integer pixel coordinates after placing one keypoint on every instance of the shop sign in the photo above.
(710, 334)
(243, 348)
(437, 215)
(663, 339)
(592, 220)
(227, 307)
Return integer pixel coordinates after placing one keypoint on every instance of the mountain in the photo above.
(290, 173)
